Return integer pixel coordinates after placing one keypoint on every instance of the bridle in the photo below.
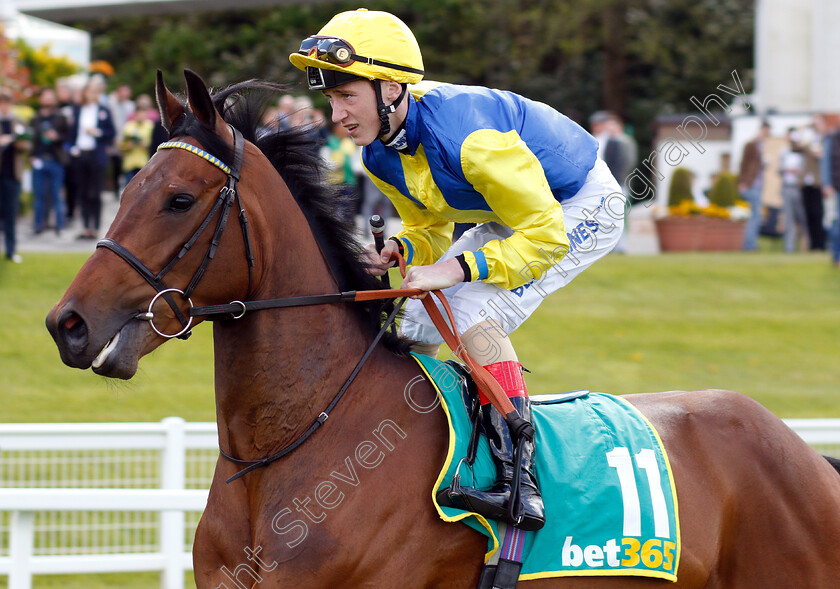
(237, 309)
(228, 196)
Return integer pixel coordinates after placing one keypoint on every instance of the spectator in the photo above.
(122, 108)
(812, 198)
(618, 150)
(13, 144)
(91, 132)
(270, 121)
(137, 137)
(750, 183)
(314, 121)
(301, 113)
(831, 180)
(68, 96)
(64, 95)
(49, 133)
(340, 151)
(285, 108)
(791, 167)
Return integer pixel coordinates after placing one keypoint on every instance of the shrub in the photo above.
(724, 192)
(680, 189)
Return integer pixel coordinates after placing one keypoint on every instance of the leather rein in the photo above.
(228, 196)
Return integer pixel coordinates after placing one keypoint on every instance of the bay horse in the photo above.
(351, 505)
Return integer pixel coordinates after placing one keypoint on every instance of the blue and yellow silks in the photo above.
(609, 493)
(477, 155)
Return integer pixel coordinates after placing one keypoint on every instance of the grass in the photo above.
(38, 387)
(766, 325)
(121, 580)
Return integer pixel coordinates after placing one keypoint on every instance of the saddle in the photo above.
(610, 499)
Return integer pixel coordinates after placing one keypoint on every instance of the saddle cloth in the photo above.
(609, 493)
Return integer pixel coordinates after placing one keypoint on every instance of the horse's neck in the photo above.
(275, 376)
(277, 370)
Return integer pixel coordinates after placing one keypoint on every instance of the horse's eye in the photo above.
(181, 202)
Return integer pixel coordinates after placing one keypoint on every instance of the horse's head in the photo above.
(167, 248)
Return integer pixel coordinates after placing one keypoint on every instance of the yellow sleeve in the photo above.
(425, 236)
(502, 168)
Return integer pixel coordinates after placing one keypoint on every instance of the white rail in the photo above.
(21, 564)
(37, 460)
(40, 457)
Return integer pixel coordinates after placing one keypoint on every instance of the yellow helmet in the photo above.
(360, 43)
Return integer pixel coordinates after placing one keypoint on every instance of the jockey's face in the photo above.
(354, 108)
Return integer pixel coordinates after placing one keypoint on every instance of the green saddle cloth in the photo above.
(609, 494)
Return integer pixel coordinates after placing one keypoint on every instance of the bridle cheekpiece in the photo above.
(228, 195)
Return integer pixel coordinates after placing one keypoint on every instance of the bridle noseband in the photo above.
(228, 195)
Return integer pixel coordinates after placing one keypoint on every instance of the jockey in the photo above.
(524, 173)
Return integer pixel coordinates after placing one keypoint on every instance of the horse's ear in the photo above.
(201, 104)
(170, 107)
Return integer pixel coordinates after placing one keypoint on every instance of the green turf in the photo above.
(121, 580)
(37, 387)
(766, 325)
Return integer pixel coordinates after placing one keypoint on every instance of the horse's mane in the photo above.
(294, 154)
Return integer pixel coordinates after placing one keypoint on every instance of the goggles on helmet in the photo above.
(339, 52)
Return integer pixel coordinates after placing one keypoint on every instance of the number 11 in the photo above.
(619, 459)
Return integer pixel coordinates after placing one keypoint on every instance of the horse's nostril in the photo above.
(75, 330)
(71, 321)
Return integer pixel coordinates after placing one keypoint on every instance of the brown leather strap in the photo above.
(489, 386)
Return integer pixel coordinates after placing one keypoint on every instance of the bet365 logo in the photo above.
(625, 553)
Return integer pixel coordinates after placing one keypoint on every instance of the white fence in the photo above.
(95, 498)
(126, 497)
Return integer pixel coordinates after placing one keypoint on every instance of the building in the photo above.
(797, 73)
(62, 40)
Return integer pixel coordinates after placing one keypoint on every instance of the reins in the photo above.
(237, 309)
(483, 379)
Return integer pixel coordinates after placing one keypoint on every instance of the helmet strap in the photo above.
(385, 110)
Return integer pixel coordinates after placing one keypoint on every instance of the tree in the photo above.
(26, 70)
(640, 58)
(13, 76)
(43, 67)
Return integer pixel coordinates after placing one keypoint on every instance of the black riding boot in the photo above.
(495, 502)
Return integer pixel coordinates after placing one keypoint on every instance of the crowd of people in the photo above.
(357, 192)
(794, 181)
(81, 138)
(78, 138)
